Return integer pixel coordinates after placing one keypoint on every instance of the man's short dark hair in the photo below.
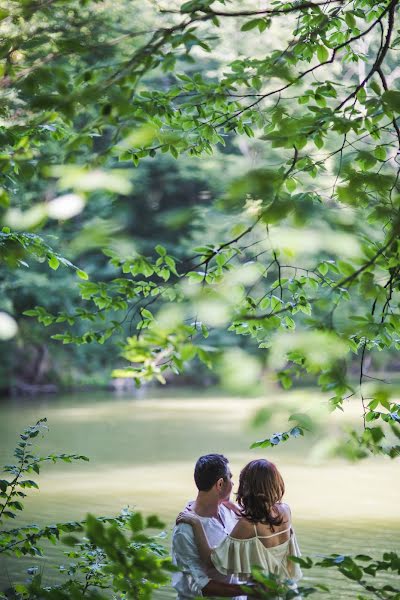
(209, 469)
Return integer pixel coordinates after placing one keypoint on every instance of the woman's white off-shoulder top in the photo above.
(237, 557)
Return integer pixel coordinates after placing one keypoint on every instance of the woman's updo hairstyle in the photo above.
(261, 487)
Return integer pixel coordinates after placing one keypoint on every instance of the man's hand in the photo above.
(188, 517)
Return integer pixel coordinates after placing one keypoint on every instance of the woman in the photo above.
(263, 536)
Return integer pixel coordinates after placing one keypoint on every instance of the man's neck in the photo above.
(206, 505)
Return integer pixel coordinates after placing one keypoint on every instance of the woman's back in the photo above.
(269, 536)
(258, 544)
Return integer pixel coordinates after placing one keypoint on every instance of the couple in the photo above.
(216, 544)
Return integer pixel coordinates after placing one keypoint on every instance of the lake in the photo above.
(142, 452)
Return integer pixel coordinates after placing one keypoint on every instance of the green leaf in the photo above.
(70, 540)
(363, 557)
(136, 522)
(146, 314)
(289, 322)
(350, 19)
(374, 85)
(353, 572)
(54, 263)
(262, 25)
(290, 184)
(285, 380)
(250, 24)
(82, 274)
(362, 95)
(9, 514)
(153, 522)
(171, 263)
(392, 100)
(303, 420)
(29, 483)
(322, 53)
(345, 267)
(4, 201)
(323, 268)
(380, 153)
(160, 250)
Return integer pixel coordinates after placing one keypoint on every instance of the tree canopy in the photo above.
(297, 252)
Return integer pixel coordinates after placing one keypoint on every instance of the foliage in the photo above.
(12, 490)
(298, 257)
(303, 423)
(322, 105)
(107, 554)
(360, 569)
(363, 570)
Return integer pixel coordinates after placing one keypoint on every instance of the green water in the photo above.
(142, 452)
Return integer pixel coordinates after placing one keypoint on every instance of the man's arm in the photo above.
(200, 537)
(224, 590)
(193, 574)
(188, 560)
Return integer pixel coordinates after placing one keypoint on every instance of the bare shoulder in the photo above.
(243, 529)
(284, 511)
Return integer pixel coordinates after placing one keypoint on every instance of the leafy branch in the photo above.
(11, 492)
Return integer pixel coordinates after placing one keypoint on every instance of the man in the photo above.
(213, 479)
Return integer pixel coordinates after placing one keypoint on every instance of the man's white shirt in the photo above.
(194, 575)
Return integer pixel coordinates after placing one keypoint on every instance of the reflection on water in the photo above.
(142, 454)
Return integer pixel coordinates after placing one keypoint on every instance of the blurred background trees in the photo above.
(224, 182)
(50, 57)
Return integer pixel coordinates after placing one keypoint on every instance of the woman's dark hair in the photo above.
(261, 487)
(209, 469)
